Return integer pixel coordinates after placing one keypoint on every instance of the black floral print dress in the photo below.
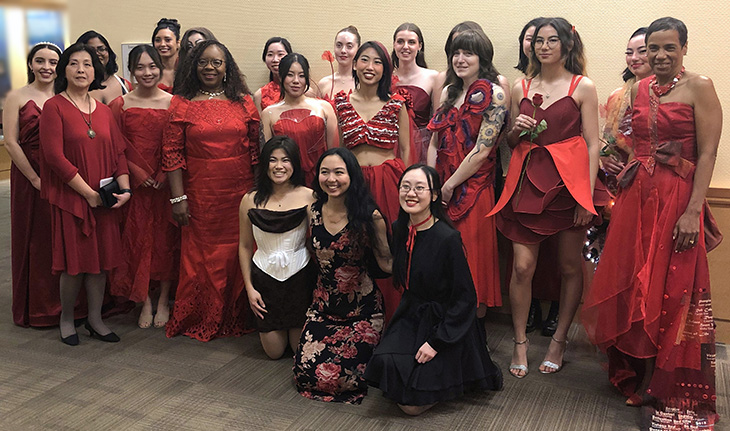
(344, 322)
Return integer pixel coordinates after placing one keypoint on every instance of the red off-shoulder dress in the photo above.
(270, 94)
(215, 142)
(647, 301)
(150, 239)
(421, 117)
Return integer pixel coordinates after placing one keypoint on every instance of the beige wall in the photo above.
(245, 25)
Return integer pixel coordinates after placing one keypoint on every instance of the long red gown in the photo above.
(381, 131)
(647, 301)
(36, 300)
(308, 131)
(216, 143)
(85, 239)
(270, 94)
(421, 117)
(150, 239)
(457, 130)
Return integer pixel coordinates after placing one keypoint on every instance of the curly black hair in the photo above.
(234, 83)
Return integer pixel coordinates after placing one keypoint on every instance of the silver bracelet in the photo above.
(178, 199)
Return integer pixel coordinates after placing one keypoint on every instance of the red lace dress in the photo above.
(457, 131)
(380, 132)
(421, 116)
(547, 178)
(308, 131)
(35, 289)
(215, 142)
(85, 239)
(647, 301)
(150, 239)
(270, 94)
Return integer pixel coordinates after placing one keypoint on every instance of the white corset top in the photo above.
(281, 255)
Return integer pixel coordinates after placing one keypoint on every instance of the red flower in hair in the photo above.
(572, 29)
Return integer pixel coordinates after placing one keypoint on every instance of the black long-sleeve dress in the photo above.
(439, 306)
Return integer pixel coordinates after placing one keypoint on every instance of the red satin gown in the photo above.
(36, 299)
(421, 116)
(458, 129)
(308, 131)
(270, 94)
(647, 301)
(215, 142)
(150, 239)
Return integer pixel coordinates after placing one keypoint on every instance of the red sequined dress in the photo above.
(270, 94)
(36, 299)
(458, 129)
(215, 142)
(150, 239)
(308, 131)
(380, 132)
(647, 301)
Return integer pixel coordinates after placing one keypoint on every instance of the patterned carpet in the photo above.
(149, 382)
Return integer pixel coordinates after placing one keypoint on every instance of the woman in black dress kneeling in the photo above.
(434, 349)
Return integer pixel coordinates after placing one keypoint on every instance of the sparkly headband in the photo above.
(48, 43)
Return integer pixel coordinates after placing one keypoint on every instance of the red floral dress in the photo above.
(345, 319)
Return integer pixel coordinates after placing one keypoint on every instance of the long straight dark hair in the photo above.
(524, 60)
(421, 55)
(627, 73)
(386, 80)
(264, 185)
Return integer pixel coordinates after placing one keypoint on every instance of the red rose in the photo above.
(327, 55)
(537, 100)
(328, 371)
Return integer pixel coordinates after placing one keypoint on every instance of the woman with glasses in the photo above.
(210, 147)
(112, 85)
(467, 127)
(434, 349)
(549, 186)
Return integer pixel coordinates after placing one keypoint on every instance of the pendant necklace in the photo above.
(90, 133)
(211, 94)
(661, 90)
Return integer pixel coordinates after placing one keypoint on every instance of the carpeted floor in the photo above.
(149, 382)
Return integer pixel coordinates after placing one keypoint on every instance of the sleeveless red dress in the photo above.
(36, 299)
(381, 132)
(458, 129)
(647, 301)
(547, 178)
(150, 239)
(421, 116)
(270, 94)
(215, 142)
(308, 131)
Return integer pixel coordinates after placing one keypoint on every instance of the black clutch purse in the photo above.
(107, 199)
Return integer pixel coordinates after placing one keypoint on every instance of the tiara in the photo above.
(48, 43)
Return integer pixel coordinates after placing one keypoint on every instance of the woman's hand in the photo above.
(582, 216)
(36, 183)
(612, 165)
(94, 199)
(256, 302)
(523, 122)
(149, 182)
(425, 353)
(180, 213)
(686, 231)
(122, 199)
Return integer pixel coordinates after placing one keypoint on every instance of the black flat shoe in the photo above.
(109, 338)
(551, 322)
(71, 340)
(534, 319)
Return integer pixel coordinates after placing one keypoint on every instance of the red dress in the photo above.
(270, 94)
(85, 239)
(308, 131)
(647, 301)
(35, 289)
(216, 143)
(547, 178)
(150, 239)
(457, 130)
(380, 132)
(421, 116)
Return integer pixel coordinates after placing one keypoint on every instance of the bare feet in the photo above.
(145, 316)
(162, 316)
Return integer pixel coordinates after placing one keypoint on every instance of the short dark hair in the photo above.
(234, 85)
(275, 39)
(627, 74)
(668, 23)
(286, 63)
(37, 47)
(385, 83)
(421, 54)
(111, 66)
(137, 52)
(264, 186)
(170, 24)
(523, 60)
(61, 82)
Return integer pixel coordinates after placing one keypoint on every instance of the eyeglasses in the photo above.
(202, 62)
(551, 43)
(405, 188)
(101, 49)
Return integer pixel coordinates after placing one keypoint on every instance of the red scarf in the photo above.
(410, 242)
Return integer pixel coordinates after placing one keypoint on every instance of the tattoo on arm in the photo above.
(491, 127)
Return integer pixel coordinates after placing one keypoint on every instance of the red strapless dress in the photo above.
(35, 288)
(457, 134)
(270, 94)
(308, 131)
(647, 301)
(216, 143)
(150, 239)
(421, 116)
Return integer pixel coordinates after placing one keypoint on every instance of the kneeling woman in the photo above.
(435, 323)
(277, 276)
